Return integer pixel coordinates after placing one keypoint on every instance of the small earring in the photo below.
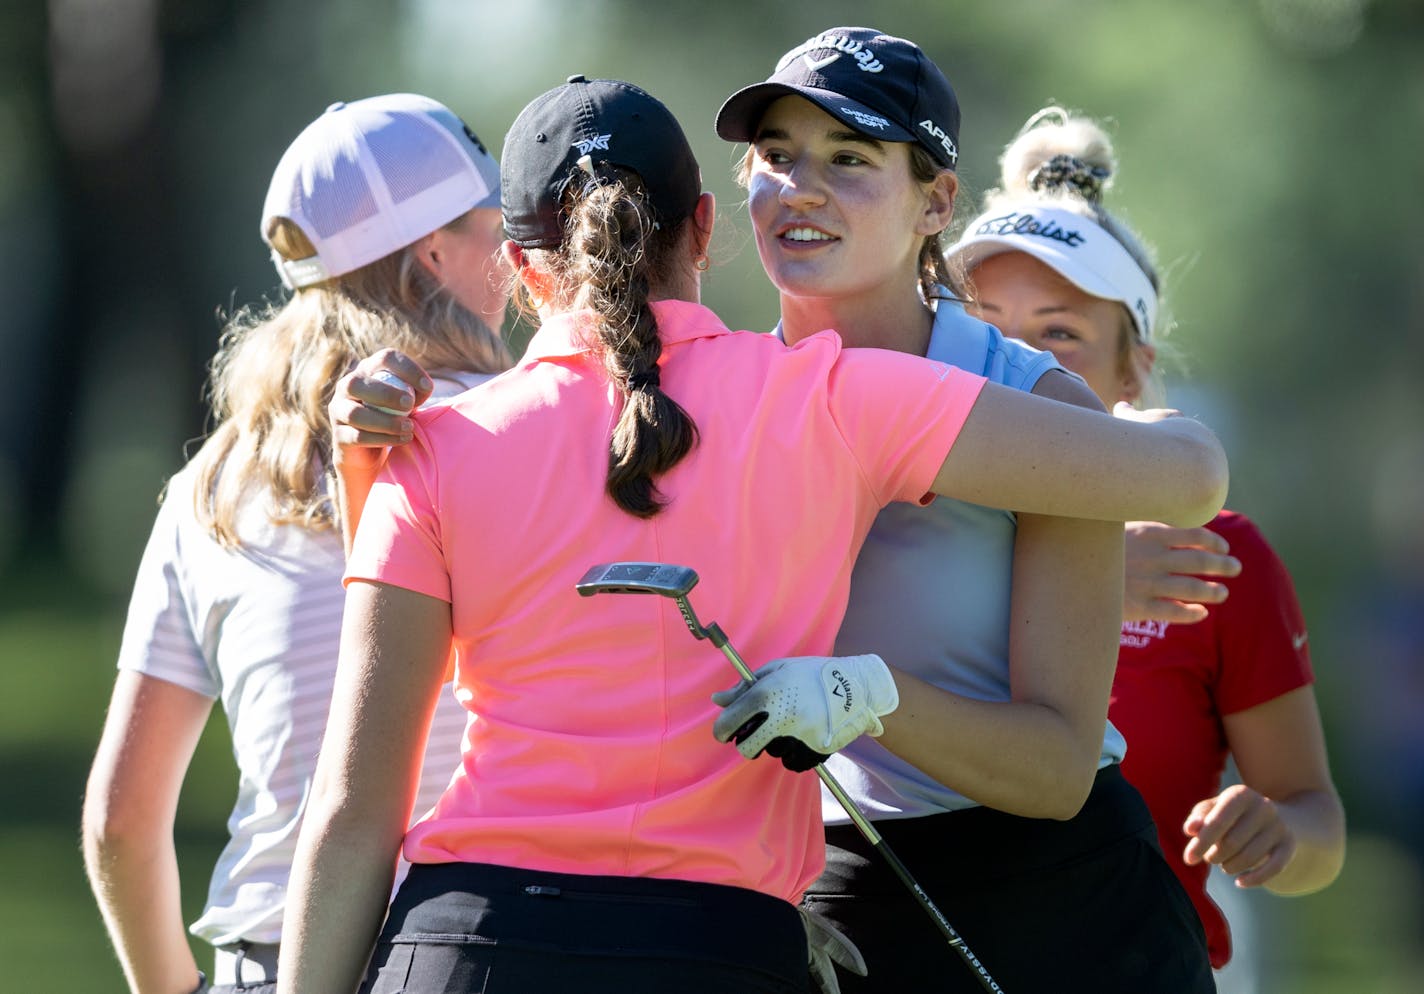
(702, 263)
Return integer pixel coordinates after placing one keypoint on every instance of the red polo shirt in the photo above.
(1174, 683)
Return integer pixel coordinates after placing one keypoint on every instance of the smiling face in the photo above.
(1026, 299)
(836, 214)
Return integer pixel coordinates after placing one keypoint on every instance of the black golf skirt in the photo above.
(474, 928)
(1087, 904)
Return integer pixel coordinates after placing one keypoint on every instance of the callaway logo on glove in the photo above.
(802, 709)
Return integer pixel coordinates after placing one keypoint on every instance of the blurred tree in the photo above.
(1271, 149)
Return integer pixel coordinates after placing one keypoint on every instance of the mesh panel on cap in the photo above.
(352, 204)
(412, 160)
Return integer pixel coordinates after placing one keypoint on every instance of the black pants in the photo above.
(1086, 905)
(479, 929)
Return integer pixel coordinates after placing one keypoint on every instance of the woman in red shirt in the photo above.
(1050, 265)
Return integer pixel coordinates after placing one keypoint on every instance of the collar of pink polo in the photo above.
(568, 334)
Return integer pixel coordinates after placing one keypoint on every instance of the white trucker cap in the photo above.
(372, 176)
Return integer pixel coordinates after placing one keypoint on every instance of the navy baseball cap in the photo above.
(876, 84)
(570, 129)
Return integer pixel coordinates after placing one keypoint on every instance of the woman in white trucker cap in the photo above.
(383, 220)
(596, 837)
(999, 786)
(1051, 265)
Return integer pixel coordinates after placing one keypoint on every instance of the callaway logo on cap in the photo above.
(882, 86)
(827, 47)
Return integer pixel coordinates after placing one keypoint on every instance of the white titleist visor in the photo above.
(1073, 245)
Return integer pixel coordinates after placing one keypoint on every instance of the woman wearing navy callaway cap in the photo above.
(596, 836)
(1052, 265)
(998, 785)
(380, 217)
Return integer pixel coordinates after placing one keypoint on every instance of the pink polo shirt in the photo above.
(591, 748)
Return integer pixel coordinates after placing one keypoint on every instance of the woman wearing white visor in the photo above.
(1049, 264)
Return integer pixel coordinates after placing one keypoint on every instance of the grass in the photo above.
(1365, 935)
(58, 672)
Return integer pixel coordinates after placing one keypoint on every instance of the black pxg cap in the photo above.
(569, 130)
(876, 84)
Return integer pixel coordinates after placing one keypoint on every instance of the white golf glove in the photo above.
(815, 703)
(826, 946)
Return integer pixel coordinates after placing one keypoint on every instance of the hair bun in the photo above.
(1057, 153)
(1068, 172)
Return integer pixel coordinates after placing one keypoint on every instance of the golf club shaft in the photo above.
(867, 829)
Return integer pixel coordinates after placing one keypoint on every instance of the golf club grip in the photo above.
(877, 841)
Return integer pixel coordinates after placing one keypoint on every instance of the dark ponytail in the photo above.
(614, 253)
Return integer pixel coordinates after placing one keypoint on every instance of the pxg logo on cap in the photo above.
(575, 128)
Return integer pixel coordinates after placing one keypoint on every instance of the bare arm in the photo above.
(362, 432)
(1037, 754)
(394, 645)
(1284, 826)
(149, 736)
(1038, 456)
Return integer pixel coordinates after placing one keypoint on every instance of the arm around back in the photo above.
(1063, 629)
(366, 420)
(1173, 573)
(1039, 456)
(1036, 754)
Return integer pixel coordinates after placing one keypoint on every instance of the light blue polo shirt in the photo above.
(930, 594)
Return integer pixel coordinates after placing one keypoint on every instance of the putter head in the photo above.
(662, 579)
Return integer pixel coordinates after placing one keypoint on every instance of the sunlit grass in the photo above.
(50, 930)
(1365, 935)
(57, 674)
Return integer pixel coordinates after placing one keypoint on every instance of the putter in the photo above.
(666, 580)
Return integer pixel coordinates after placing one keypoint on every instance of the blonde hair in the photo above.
(1067, 161)
(276, 369)
(611, 256)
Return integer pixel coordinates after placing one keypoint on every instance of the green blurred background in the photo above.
(1271, 151)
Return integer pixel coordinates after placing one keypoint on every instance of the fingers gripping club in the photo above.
(666, 580)
(818, 703)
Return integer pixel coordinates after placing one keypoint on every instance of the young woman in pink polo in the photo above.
(596, 835)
